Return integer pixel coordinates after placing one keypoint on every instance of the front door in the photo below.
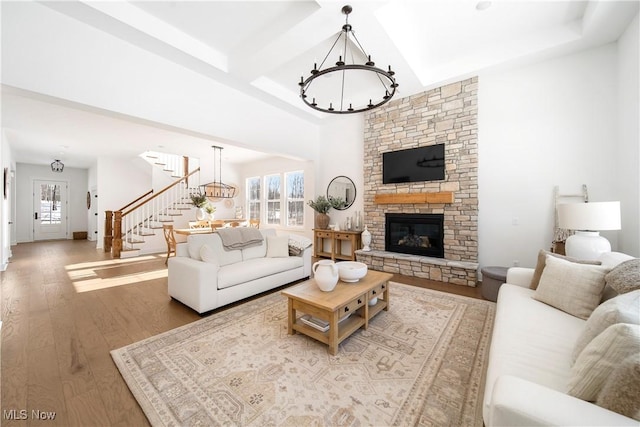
(50, 206)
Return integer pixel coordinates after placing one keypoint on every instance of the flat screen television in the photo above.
(413, 165)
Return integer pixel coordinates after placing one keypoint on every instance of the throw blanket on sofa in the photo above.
(240, 237)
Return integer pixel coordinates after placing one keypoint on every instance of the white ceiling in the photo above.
(261, 48)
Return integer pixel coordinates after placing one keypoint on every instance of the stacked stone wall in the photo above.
(449, 115)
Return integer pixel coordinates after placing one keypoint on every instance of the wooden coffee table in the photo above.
(346, 299)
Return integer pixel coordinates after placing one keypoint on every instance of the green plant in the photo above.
(320, 205)
(337, 202)
(210, 208)
(198, 200)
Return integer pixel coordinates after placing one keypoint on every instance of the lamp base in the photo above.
(588, 245)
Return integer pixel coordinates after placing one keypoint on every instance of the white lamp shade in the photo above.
(594, 216)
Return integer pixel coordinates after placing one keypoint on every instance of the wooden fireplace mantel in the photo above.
(432, 197)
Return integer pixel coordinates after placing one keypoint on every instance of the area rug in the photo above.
(420, 363)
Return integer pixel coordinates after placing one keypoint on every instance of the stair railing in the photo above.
(129, 227)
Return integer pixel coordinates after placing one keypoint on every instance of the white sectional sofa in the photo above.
(531, 359)
(204, 275)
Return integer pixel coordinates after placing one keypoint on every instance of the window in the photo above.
(295, 198)
(277, 199)
(253, 197)
(272, 185)
(50, 204)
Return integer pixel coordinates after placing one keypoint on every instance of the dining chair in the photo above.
(198, 224)
(216, 224)
(170, 238)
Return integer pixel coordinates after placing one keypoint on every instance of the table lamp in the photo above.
(588, 219)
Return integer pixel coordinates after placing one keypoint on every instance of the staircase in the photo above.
(136, 228)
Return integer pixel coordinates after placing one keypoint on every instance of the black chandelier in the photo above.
(57, 166)
(360, 78)
(217, 189)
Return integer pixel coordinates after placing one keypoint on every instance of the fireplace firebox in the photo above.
(416, 234)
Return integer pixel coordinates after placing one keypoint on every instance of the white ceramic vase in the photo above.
(325, 273)
(366, 239)
(200, 214)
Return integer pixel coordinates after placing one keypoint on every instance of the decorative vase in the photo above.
(200, 214)
(211, 216)
(322, 221)
(325, 273)
(366, 239)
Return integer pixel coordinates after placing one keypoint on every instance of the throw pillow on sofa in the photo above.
(625, 277)
(297, 244)
(542, 261)
(622, 388)
(573, 288)
(624, 308)
(600, 357)
(277, 246)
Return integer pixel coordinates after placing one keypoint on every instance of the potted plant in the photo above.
(210, 209)
(199, 200)
(321, 205)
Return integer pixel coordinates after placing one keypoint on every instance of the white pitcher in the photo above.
(325, 273)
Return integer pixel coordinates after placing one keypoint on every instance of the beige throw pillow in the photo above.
(571, 287)
(542, 259)
(277, 246)
(621, 390)
(625, 277)
(621, 309)
(600, 357)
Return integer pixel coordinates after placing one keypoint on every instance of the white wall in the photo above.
(77, 207)
(92, 213)
(628, 168)
(551, 123)
(341, 153)
(119, 180)
(6, 205)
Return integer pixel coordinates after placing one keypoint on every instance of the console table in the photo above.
(336, 238)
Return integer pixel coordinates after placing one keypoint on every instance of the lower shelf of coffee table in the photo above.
(345, 328)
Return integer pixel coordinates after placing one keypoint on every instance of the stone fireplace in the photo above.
(448, 115)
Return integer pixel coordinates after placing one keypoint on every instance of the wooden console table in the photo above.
(336, 238)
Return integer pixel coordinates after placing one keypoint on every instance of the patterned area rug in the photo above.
(420, 363)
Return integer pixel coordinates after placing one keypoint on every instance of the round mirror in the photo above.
(342, 188)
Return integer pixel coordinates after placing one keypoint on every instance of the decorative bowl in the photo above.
(351, 271)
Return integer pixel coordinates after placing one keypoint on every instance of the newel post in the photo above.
(117, 234)
(108, 231)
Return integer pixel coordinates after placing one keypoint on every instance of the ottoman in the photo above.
(492, 279)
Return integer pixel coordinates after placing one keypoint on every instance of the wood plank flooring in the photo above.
(65, 305)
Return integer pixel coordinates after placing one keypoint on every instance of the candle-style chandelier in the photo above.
(354, 82)
(217, 189)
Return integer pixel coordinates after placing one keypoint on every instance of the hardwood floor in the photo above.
(65, 305)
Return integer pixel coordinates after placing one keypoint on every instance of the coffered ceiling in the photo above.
(259, 49)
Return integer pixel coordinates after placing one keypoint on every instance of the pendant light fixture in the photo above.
(217, 189)
(354, 84)
(57, 166)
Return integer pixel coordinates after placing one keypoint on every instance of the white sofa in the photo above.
(231, 275)
(530, 361)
